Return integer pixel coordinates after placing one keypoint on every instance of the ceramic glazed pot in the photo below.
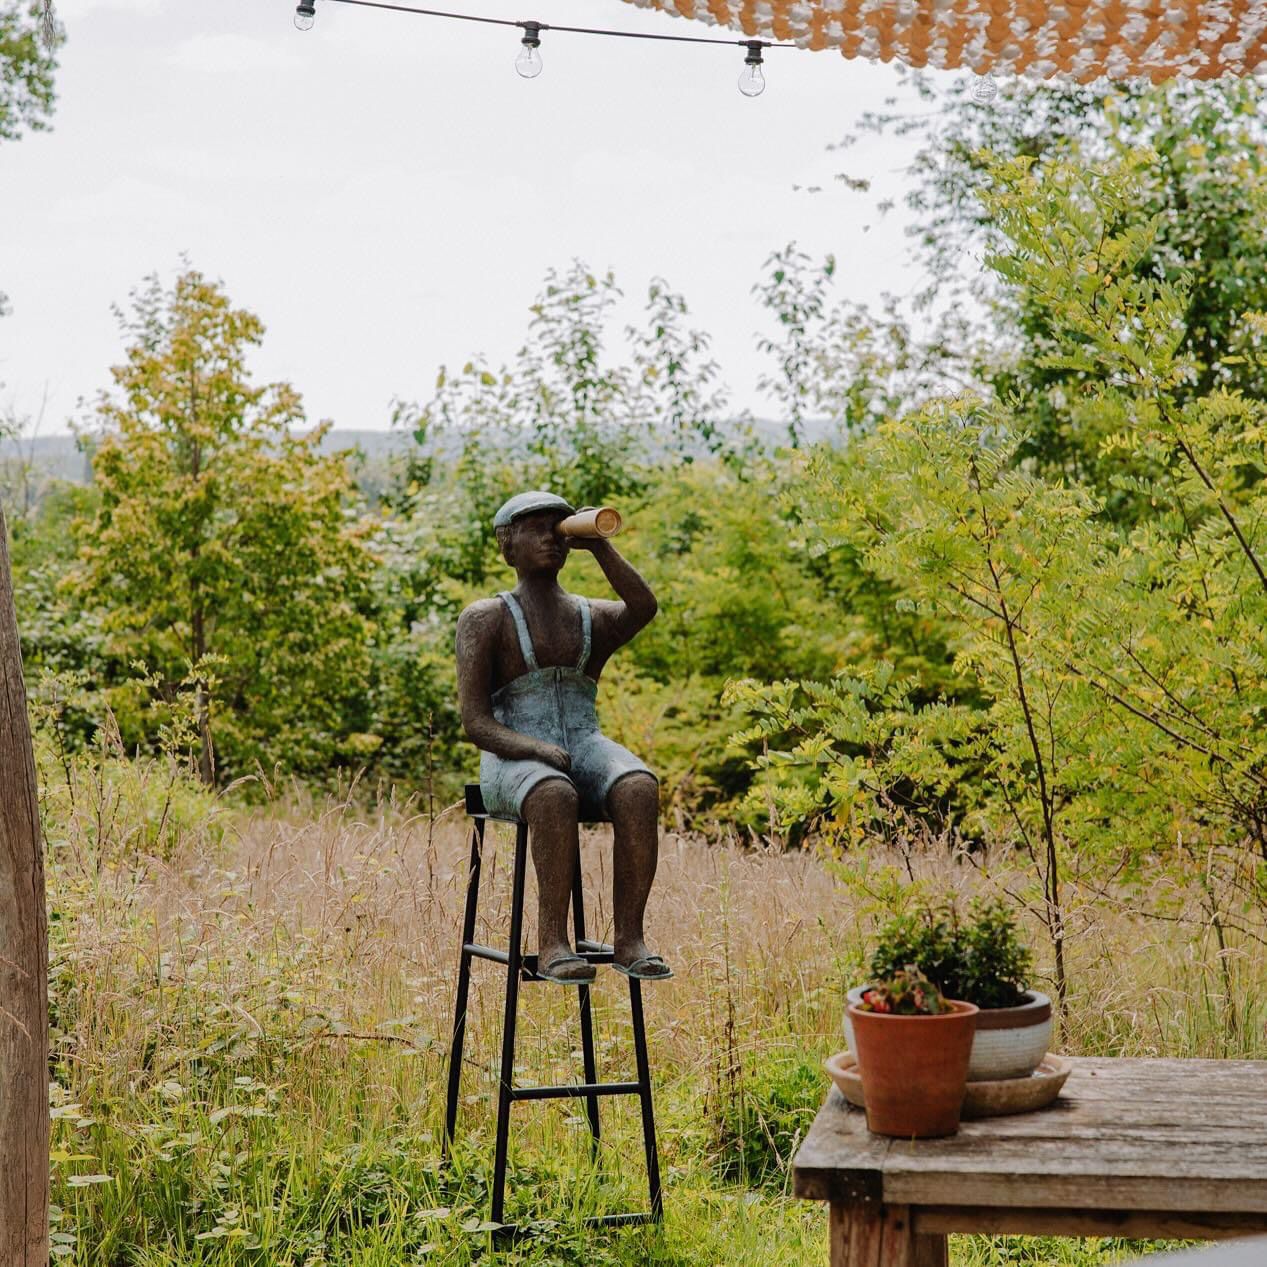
(852, 999)
(1009, 1041)
(914, 1069)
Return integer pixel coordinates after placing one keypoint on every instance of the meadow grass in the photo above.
(251, 1028)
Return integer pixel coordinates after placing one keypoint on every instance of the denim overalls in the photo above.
(556, 705)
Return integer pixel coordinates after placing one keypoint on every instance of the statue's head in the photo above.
(525, 527)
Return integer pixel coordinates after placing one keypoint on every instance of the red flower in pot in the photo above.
(913, 1047)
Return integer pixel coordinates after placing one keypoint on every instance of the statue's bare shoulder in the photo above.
(481, 620)
(479, 628)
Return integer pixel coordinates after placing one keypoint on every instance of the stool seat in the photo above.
(520, 966)
(474, 796)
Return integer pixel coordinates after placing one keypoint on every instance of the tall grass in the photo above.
(251, 1023)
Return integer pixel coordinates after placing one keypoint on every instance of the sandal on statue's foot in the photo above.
(648, 968)
(567, 970)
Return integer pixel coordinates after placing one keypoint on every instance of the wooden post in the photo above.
(867, 1234)
(23, 964)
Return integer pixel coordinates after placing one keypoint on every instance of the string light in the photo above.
(751, 78)
(529, 64)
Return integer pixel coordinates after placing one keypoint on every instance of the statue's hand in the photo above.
(555, 756)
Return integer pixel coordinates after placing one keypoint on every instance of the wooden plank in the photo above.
(1136, 1224)
(1079, 1191)
(1080, 1121)
(1043, 1144)
(982, 1154)
(1180, 1071)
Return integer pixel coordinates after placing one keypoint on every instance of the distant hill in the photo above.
(59, 457)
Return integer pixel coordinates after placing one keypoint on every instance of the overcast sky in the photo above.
(386, 193)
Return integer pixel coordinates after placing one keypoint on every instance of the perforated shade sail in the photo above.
(1075, 39)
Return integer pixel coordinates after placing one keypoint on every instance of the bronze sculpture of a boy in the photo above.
(528, 667)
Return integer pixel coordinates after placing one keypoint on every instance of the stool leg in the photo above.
(644, 1095)
(464, 983)
(515, 954)
(587, 1023)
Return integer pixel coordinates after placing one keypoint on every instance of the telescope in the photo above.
(603, 522)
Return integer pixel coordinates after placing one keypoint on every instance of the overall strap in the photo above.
(521, 628)
(586, 633)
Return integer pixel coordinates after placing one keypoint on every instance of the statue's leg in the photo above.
(633, 804)
(551, 811)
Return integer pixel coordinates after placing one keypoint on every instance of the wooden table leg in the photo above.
(868, 1234)
(931, 1250)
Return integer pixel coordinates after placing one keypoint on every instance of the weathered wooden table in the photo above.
(1141, 1148)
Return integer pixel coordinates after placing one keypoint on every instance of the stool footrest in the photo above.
(578, 1090)
(622, 1220)
(514, 1231)
(594, 952)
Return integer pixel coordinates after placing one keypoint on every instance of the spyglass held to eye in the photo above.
(602, 522)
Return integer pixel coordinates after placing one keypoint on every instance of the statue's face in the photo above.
(534, 545)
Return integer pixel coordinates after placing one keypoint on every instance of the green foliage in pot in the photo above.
(979, 959)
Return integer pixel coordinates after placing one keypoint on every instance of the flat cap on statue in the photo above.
(529, 503)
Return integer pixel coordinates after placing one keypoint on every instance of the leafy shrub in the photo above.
(980, 960)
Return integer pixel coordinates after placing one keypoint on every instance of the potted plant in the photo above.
(913, 1046)
(980, 959)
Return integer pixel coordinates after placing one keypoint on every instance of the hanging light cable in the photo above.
(529, 64)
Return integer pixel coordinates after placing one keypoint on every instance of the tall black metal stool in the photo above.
(520, 966)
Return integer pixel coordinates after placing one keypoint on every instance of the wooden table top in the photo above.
(1125, 1134)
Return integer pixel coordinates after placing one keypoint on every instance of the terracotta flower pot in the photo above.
(1009, 1042)
(914, 1069)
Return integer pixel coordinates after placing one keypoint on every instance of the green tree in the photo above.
(1202, 201)
(1175, 642)
(224, 544)
(944, 515)
(1122, 667)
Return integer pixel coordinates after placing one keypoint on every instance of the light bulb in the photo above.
(305, 15)
(529, 63)
(985, 89)
(751, 80)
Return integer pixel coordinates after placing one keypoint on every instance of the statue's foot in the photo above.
(642, 965)
(565, 968)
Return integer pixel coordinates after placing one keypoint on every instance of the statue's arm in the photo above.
(616, 623)
(478, 631)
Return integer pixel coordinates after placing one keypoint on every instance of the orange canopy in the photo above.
(1080, 39)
